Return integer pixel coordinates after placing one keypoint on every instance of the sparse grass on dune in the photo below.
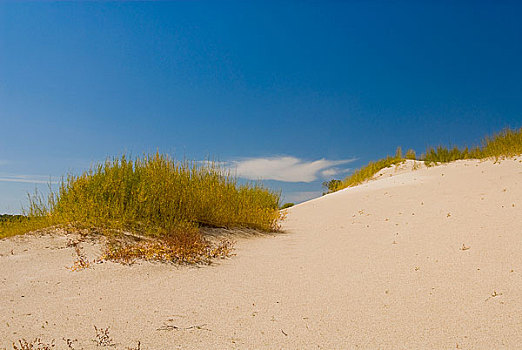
(368, 171)
(157, 197)
(102, 338)
(507, 143)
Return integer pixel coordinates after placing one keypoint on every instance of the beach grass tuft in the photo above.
(506, 143)
(157, 197)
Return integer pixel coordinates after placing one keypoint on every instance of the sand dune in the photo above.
(422, 259)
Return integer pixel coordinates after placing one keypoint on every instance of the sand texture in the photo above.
(424, 259)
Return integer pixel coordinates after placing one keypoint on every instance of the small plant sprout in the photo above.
(36, 344)
(102, 337)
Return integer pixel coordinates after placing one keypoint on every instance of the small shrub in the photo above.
(331, 186)
(287, 205)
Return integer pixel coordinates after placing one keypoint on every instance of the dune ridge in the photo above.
(428, 258)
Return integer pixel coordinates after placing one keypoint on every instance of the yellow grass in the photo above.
(506, 143)
(153, 196)
(367, 172)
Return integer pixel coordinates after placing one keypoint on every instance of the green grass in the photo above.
(10, 228)
(153, 196)
(367, 172)
(506, 143)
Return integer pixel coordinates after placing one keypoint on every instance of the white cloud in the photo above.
(35, 179)
(329, 172)
(288, 169)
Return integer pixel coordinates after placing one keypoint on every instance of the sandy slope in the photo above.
(378, 266)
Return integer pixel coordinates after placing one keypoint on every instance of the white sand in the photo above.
(334, 280)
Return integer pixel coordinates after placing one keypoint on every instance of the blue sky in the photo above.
(291, 92)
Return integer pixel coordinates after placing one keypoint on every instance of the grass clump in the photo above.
(156, 197)
(20, 224)
(506, 143)
(410, 154)
(444, 155)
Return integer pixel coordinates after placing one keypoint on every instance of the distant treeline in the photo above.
(8, 217)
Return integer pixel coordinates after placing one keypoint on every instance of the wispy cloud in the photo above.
(288, 169)
(35, 179)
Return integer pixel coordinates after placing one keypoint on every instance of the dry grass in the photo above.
(506, 143)
(157, 197)
(368, 171)
(102, 338)
(19, 224)
(182, 249)
(35, 344)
